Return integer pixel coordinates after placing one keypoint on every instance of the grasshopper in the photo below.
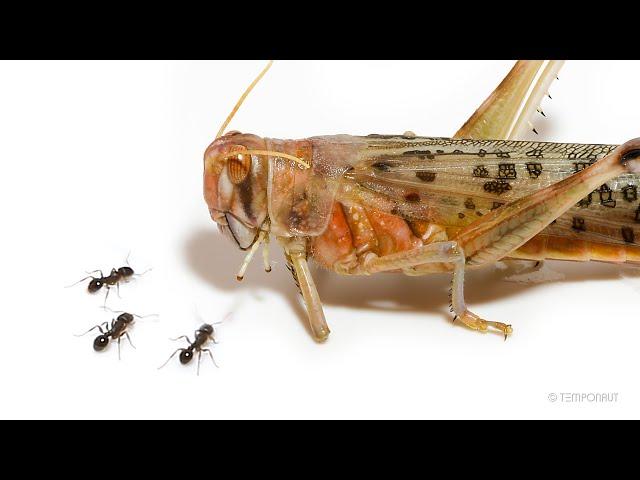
(360, 205)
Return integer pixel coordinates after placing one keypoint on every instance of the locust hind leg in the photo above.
(506, 113)
(504, 230)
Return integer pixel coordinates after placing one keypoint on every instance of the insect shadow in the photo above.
(206, 254)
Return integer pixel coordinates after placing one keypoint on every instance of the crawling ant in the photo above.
(116, 330)
(202, 335)
(116, 276)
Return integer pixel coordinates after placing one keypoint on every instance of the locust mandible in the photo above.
(418, 205)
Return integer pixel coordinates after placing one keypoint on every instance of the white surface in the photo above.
(100, 158)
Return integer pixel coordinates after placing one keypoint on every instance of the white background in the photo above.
(103, 158)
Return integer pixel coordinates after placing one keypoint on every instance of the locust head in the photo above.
(236, 177)
(235, 186)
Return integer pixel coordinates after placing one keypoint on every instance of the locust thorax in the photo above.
(235, 186)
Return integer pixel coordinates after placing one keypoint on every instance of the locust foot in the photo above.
(474, 322)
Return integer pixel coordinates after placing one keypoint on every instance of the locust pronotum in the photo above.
(419, 205)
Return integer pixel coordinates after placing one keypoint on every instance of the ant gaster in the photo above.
(202, 335)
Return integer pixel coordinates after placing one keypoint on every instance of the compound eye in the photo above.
(238, 166)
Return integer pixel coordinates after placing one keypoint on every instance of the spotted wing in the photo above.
(454, 182)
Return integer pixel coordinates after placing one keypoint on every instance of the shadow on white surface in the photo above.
(209, 255)
(216, 260)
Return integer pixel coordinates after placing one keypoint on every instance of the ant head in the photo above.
(95, 284)
(185, 356)
(126, 317)
(206, 328)
(125, 271)
(100, 343)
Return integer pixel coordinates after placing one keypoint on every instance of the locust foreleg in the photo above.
(296, 253)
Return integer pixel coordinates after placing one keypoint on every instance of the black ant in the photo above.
(116, 276)
(202, 335)
(116, 330)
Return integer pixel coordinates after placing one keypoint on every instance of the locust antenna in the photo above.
(299, 161)
(244, 95)
(272, 153)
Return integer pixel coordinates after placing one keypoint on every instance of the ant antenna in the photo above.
(227, 317)
(244, 95)
(83, 279)
(126, 260)
(116, 312)
(103, 324)
(146, 271)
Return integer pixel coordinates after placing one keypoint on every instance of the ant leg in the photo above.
(92, 328)
(212, 337)
(106, 296)
(211, 355)
(199, 357)
(172, 355)
(118, 289)
(119, 338)
(129, 338)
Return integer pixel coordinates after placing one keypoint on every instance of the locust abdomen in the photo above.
(547, 247)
